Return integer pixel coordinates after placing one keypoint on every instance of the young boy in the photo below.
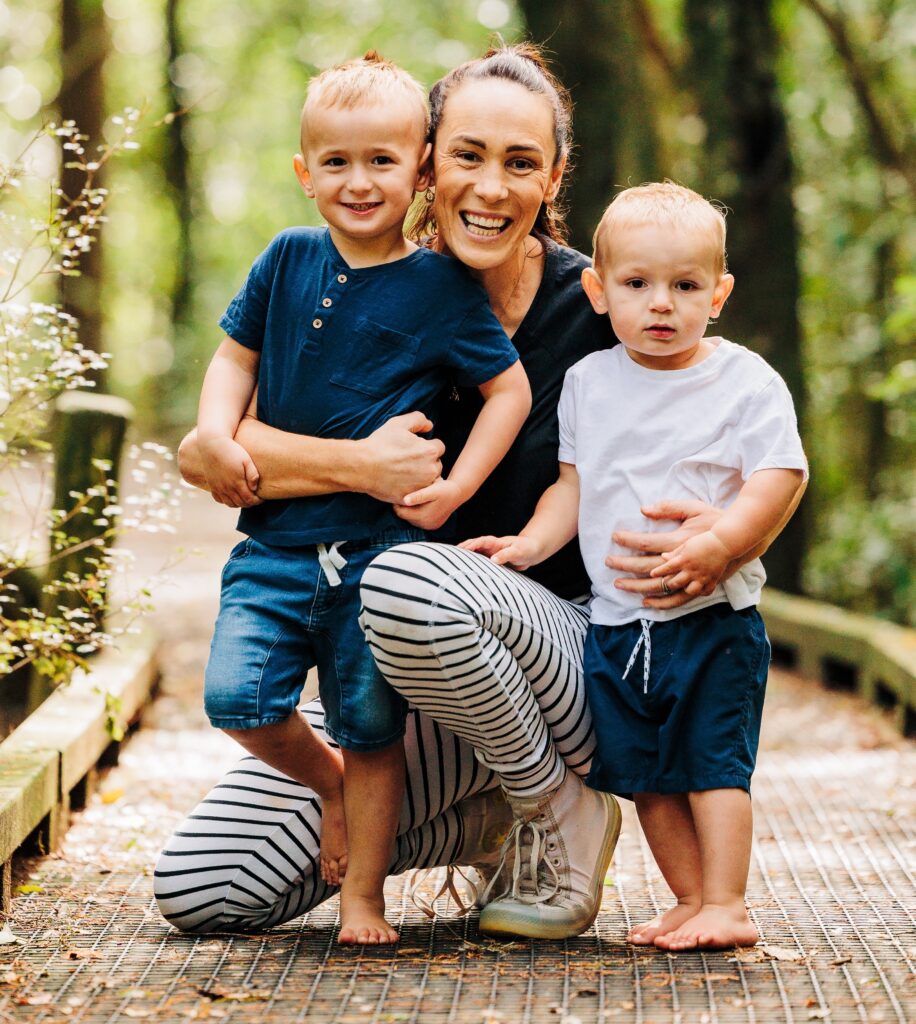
(672, 413)
(341, 328)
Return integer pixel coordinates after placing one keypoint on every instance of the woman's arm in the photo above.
(389, 463)
(695, 517)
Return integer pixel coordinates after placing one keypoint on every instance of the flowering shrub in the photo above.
(55, 609)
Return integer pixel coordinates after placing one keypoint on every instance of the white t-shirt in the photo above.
(637, 436)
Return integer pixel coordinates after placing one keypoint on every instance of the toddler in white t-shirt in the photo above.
(676, 693)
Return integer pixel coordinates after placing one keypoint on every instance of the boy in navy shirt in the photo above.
(341, 328)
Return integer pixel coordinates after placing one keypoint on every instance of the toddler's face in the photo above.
(660, 285)
(362, 167)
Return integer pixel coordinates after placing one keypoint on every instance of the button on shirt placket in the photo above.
(326, 303)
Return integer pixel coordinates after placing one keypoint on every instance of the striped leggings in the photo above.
(491, 663)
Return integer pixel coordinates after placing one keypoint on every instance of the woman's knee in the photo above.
(408, 589)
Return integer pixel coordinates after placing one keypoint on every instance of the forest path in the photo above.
(832, 889)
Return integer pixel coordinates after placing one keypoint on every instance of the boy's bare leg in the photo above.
(667, 822)
(724, 826)
(295, 749)
(373, 791)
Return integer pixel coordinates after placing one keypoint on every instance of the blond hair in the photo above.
(665, 203)
(369, 79)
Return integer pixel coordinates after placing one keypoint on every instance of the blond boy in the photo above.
(341, 328)
(676, 693)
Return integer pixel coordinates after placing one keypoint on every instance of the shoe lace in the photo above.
(447, 886)
(534, 878)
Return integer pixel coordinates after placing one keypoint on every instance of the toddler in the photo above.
(341, 328)
(676, 693)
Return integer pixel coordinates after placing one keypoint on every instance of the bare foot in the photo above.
(712, 927)
(646, 934)
(362, 922)
(333, 855)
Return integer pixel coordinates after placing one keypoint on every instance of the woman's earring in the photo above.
(430, 194)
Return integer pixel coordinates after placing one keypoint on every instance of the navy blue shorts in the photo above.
(697, 724)
(279, 616)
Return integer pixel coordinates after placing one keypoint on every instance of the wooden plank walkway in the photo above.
(833, 892)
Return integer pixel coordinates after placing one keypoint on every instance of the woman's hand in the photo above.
(431, 506)
(516, 552)
(695, 517)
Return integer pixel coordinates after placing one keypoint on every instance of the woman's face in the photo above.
(494, 165)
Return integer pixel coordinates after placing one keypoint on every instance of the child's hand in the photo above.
(231, 475)
(516, 552)
(697, 566)
(431, 506)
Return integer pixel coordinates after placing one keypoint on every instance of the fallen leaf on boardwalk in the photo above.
(139, 1011)
(27, 890)
(751, 955)
(241, 996)
(840, 960)
(7, 937)
(112, 796)
(585, 992)
(721, 977)
(783, 953)
(42, 999)
(819, 1014)
(83, 954)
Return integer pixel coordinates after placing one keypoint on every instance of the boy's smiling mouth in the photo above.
(361, 207)
(484, 225)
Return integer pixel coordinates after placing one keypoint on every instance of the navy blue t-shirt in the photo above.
(343, 350)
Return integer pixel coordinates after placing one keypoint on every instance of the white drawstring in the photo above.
(330, 559)
(644, 641)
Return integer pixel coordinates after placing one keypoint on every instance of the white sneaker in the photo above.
(487, 819)
(562, 846)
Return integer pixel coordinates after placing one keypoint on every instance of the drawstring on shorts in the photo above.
(330, 559)
(645, 642)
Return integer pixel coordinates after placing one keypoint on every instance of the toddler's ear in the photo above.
(722, 291)
(594, 289)
(302, 173)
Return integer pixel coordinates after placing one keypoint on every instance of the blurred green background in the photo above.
(794, 113)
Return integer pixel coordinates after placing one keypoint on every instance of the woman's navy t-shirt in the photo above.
(344, 349)
(559, 329)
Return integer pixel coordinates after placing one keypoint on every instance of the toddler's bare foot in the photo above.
(333, 854)
(362, 922)
(645, 934)
(713, 927)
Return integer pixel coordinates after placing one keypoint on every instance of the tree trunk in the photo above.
(84, 43)
(747, 166)
(599, 58)
(176, 164)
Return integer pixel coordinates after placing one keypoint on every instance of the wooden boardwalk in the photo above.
(833, 892)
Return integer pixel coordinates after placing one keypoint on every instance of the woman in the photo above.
(491, 656)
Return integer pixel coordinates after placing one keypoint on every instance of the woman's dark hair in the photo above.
(524, 64)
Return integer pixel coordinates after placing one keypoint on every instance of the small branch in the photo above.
(665, 56)
(882, 138)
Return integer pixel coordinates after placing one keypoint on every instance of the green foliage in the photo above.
(44, 234)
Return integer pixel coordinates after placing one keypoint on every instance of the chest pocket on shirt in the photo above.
(376, 359)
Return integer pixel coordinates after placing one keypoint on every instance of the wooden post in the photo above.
(85, 428)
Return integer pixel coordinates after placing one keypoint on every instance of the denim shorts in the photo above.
(695, 723)
(279, 616)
